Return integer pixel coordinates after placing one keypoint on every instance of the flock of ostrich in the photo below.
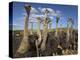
(46, 42)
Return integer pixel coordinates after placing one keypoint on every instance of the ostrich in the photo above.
(24, 46)
(45, 31)
(69, 36)
(57, 20)
(69, 28)
(38, 29)
(39, 34)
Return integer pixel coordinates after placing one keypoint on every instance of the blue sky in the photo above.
(38, 9)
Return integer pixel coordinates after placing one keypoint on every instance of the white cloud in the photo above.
(33, 10)
(33, 17)
(52, 12)
(17, 26)
(36, 15)
(51, 17)
(58, 12)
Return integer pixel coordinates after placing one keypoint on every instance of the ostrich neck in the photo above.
(45, 31)
(26, 26)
